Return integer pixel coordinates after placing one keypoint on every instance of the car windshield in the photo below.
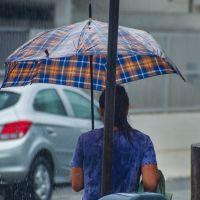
(8, 99)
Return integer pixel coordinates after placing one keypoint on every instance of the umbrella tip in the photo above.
(90, 10)
(46, 52)
(89, 23)
(90, 14)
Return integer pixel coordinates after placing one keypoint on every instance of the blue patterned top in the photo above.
(129, 155)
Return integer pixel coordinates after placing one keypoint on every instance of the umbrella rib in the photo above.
(146, 42)
(101, 38)
(121, 66)
(62, 73)
(18, 50)
(45, 70)
(100, 33)
(79, 80)
(89, 42)
(50, 35)
(158, 65)
(81, 35)
(30, 49)
(63, 39)
(18, 77)
(8, 70)
(34, 75)
(66, 38)
(125, 40)
(140, 67)
(90, 48)
(140, 39)
(97, 84)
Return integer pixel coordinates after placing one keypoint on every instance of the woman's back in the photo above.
(132, 155)
(129, 154)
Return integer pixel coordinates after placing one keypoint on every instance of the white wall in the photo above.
(155, 5)
(63, 9)
(172, 135)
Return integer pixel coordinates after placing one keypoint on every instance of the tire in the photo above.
(3, 193)
(40, 180)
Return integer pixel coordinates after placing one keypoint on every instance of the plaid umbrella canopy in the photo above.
(62, 56)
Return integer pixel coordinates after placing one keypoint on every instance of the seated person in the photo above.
(133, 155)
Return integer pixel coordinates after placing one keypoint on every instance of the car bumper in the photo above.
(13, 164)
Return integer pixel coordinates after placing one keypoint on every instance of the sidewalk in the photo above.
(180, 188)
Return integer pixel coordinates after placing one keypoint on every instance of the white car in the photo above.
(39, 128)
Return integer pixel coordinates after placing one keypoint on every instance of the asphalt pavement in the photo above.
(179, 187)
(66, 193)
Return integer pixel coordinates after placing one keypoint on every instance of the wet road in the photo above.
(179, 187)
(66, 193)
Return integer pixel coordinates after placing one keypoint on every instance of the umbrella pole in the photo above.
(90, 10)
(91, 75)
(92, 91)
(106, 182)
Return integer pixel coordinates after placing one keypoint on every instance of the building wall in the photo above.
(26, 14)
(81, 10)
(10, 39)
(175, 32)
(172, 135)
(166, 6)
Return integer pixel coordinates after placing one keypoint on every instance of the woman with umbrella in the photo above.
(133, 155)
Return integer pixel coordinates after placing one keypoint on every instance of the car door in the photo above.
(57, 128)
(81, 108)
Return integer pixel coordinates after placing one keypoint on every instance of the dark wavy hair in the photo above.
(121, 108)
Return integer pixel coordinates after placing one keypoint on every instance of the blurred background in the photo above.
(166, 108)
(174, 23)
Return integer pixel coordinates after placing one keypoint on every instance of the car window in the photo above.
(8, 99)
(81, 105)
(48, 101)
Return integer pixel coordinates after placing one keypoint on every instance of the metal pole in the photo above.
(91, 89)
(195, 171)
(106, 182)
(191, 6)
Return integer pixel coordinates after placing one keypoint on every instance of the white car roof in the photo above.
(22, 89)
(27, 90)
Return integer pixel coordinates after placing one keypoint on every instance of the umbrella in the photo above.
(62, 56)
(76, 55)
